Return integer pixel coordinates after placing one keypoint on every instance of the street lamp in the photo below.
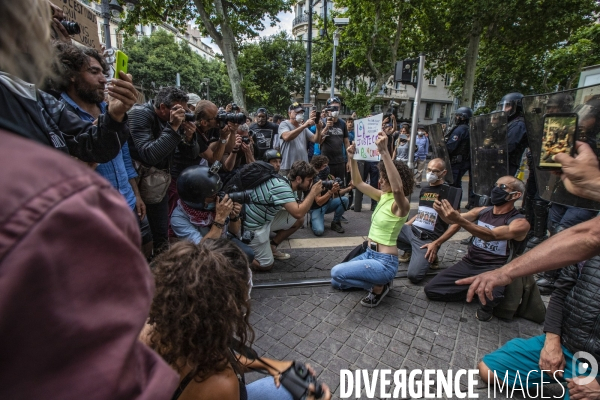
(339, 22)
(108, 8)
(130, 4)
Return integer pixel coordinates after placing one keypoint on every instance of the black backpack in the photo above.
(250, 176)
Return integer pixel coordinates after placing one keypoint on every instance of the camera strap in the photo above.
(250, 354)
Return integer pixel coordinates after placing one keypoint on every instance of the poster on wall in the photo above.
(365, 136)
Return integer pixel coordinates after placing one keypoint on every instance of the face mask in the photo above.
(431, 177)
(334, 114)
(210, 206)
(420, 133)
(324, 174)
(300, 118)
(498, 196)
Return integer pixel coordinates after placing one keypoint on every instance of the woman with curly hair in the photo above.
(201, 304)
(375, 269)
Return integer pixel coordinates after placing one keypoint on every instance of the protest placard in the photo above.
(85, 17)
(366, 131)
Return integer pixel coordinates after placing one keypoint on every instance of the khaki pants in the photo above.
(420, 166)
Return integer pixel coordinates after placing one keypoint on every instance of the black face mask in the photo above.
(498, 196)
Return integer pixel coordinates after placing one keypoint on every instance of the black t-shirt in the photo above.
(269, 126)
(181, 162)
(427, 218)
(334, 142)
(495, 252)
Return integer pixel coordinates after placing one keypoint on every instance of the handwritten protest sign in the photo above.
(366, 131)
(85, 17)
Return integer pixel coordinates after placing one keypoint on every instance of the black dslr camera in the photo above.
(328, 184)
(296, 380)
(242, 197)
(72, 28)
(224, 117)
(190, 117)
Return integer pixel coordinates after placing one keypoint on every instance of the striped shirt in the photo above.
(275, 192)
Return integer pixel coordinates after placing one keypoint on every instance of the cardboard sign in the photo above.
(85, 17)
(365, 136)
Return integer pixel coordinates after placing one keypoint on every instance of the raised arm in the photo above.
(402, 205)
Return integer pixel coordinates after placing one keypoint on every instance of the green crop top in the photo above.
(385, 226)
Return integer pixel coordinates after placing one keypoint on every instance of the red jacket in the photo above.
(74, 288)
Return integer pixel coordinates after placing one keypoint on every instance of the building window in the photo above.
(432, 80)
(447, 80)
(428, 110)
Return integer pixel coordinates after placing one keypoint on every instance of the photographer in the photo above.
(331, 199)
(157, 129)
(82, 70)
(39, 116)
(295, 135)
(200, 324)
(334, 138)
(389, 126)
(200, 213)
(243, 151)
(265, 215)
(264, 126)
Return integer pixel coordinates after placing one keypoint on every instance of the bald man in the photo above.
(496, 230)
(422, 236)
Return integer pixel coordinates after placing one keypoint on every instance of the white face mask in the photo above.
(334, 114)
(300, 118)
(420, 133)
(431, 177)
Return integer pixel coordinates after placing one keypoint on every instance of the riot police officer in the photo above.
(459, 146)
(515, 130)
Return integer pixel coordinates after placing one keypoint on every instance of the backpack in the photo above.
(250, 176)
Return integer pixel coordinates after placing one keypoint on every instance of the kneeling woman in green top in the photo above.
(376, 268)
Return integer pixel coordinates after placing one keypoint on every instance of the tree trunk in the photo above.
(226, 42)
(466, 98)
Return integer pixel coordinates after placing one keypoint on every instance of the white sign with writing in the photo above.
(365, 136)
(85, 17)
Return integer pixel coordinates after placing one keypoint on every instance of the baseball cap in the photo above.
(295, 106)
(193, 99)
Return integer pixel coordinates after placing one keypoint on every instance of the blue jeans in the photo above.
(317, 216)
(369, 269)
(265, 389)
(523, 355)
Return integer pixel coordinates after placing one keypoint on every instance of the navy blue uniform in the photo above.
(459, 150)
(517, 143)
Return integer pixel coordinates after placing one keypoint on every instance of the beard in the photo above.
(89, 93)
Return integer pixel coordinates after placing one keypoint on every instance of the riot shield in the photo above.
(584, 102)
(438, 148)
(489, 151)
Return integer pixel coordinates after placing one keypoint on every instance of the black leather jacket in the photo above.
(574, 308)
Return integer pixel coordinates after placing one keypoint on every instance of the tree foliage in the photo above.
(157, 59)
(272, 69)
(360, 100)
(227, 23)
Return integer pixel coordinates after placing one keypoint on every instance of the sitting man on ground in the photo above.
(421, 238)
(569, 328)
(331, 199)
(495, 230)
(265, 215)
(200, 213)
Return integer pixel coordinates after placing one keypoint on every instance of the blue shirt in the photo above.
(120, 169)
(422, 147)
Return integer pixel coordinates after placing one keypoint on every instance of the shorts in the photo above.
(261, 244)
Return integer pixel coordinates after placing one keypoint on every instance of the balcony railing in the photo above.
(303, 19)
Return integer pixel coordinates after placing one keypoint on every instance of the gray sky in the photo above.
(285, 24)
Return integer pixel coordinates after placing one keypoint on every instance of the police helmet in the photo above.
(196, 184)
(464, 112)
(515, 102)
(334, 100)
(559, 102)
(272, 154)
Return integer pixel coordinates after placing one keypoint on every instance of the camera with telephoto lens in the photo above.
(224, 117)
(296, 380)
(72, 28)
(328, 184)
(242, 197)
(190, 117)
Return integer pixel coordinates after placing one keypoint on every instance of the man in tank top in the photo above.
(496, 231)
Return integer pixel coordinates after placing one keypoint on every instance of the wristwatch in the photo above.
(223, 141)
